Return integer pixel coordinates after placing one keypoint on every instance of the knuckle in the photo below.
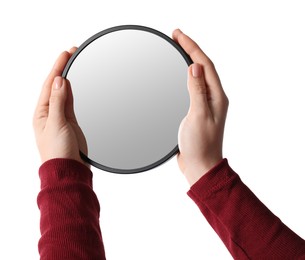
(53, 99)
(198, 86)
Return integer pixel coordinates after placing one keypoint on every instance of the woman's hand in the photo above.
(201, 131)
(56, 129)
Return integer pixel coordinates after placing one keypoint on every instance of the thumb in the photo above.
(197, 89)
(57, 100)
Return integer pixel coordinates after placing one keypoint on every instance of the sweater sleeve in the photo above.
(246, 226)
(69, 209)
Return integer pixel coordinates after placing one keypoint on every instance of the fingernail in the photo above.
(58, 82)
(196, 70)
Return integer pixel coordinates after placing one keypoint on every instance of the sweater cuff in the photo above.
(213, 180)
(60, 170)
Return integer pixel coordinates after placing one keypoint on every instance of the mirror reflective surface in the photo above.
(130, 94)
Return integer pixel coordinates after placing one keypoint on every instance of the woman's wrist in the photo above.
(195, 171)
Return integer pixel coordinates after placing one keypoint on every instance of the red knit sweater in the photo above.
(70, 215)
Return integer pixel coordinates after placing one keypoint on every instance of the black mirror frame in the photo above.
(82, 47)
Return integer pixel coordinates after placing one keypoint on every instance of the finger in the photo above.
(198, 56)
(72, 50)
(216, 95)
(56, 71)
(57, 102)
(197, 90)
(191, 48)
(69, 109)
(69, 103)
(42, 107)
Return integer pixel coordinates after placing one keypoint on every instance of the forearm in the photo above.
(245, 225)
(69, 212)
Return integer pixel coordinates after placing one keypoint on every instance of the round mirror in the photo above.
(130, 94)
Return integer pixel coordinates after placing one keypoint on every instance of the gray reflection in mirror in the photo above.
(130, 95)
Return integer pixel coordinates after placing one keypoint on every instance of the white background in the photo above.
(258, 50)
